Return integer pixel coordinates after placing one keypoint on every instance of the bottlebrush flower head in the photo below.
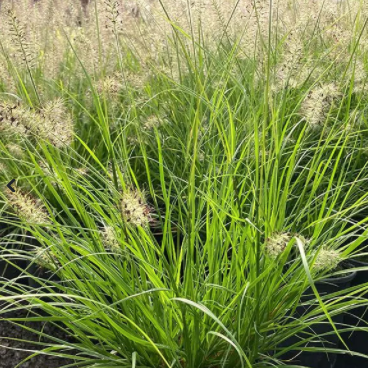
(109, 238)
(56, 124)
(134, 208)
(15, 119)
(27, 207)
(327, 259)
(276, 244)
(45, 259)
(15, 150)
(317, 103)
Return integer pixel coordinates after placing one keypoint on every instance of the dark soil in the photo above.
(346, 361)
(13, 352)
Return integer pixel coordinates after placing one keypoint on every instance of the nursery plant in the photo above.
(189, 178)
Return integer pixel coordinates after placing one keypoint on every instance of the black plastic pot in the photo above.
(8, 271)
(11, 270)
(15, 266)
(37, 273)
(328, 339)
(36, 281)
(357, 341)
(41, 274)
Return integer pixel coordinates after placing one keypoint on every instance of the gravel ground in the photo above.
(13, 352)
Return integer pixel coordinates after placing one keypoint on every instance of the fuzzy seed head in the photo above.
(15, 119)
(3, 168)
(109, 237)
(317, 104)
(27, 207)
(151, 122)
(134, 208)
(15, 150)
(51, 123)
(303, 239)
(327, 259)
(55, 124)
(45, 259)
(276, 244)
(24, 51)
(110, 86)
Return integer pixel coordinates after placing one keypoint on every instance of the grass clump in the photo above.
(190, 169)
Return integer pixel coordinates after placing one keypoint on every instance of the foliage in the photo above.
(179, 191)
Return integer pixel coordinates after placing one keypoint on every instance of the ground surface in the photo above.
(12, 352)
